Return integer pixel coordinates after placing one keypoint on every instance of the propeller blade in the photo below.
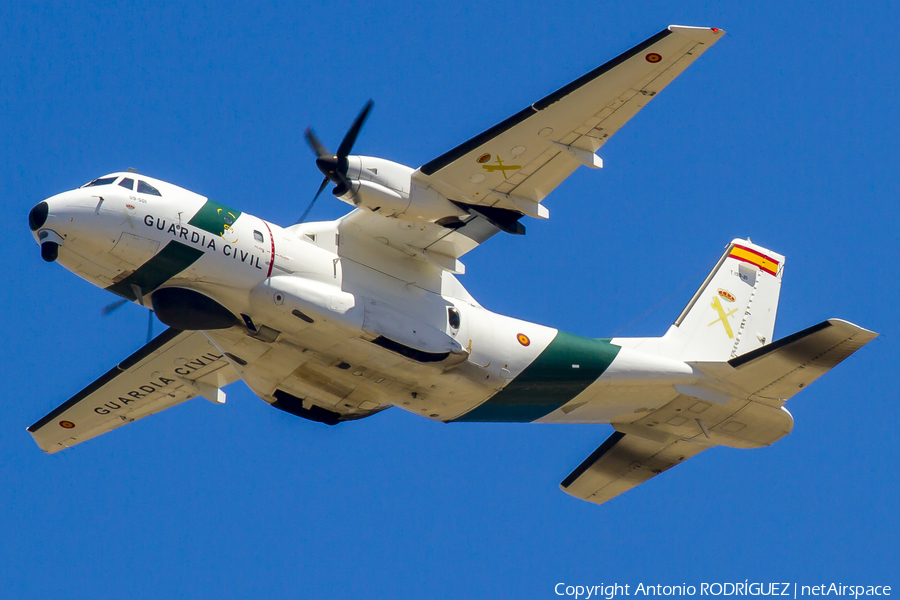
(113, 306)
(334, 166)
(315, 144)
(150, 326)
(321, 187)
(316, 197)
(350, 137)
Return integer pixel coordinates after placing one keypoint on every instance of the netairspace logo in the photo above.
(744, 588)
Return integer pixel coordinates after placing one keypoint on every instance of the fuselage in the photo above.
(309, 329)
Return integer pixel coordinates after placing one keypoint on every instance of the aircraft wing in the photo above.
(625, 461)
(517, 162)
(173, 367)
(506, 171)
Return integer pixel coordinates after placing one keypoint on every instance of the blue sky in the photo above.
(785, 131)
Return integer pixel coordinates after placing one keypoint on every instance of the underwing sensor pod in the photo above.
(336, 321)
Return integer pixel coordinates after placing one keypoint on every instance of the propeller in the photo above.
(113, 306)
(334, 166)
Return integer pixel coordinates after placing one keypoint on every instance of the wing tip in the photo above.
(706, 35)
(861, 332)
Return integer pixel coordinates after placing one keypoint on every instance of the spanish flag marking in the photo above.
(767, 264)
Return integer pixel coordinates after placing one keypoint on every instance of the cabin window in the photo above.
(127, 183)
(453, 318)
(258, 237)
(146, 188)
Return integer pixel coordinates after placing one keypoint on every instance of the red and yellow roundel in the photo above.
(653, 57)
(483, 158)
(523, 339)
(66, 424)
(726, 295)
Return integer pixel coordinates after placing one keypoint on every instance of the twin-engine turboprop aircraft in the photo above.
(336, 321)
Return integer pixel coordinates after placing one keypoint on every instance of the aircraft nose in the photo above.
(49, 240)
(38, 215)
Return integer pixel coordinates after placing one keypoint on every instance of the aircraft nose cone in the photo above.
(38, 216)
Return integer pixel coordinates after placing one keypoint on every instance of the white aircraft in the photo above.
(336, 321)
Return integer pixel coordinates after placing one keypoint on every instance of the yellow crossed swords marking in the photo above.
(228, 226)
(723, 316)
(501, 167)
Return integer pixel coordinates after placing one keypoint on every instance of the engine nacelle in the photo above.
(378, 198)
(386, 188)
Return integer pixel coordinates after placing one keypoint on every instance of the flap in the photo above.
(173, 367)
(623, 462)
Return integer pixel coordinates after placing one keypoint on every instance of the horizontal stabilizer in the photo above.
(779, 370)
(173, 367)
(623, 462)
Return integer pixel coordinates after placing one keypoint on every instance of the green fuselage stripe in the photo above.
(174, 258)
(214, 217)
(562, 371)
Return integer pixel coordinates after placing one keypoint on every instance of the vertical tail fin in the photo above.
(733, 312)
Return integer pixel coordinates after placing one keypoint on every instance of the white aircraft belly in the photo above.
(331, 368)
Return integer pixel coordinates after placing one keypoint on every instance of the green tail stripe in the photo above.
(562, 371)
(214, 217)
(174, 258)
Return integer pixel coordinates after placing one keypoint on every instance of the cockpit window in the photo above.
(127, 183)
(146, 188)
(101, 181)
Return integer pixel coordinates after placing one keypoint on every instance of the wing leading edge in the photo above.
(517, 162)
(173, 367)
